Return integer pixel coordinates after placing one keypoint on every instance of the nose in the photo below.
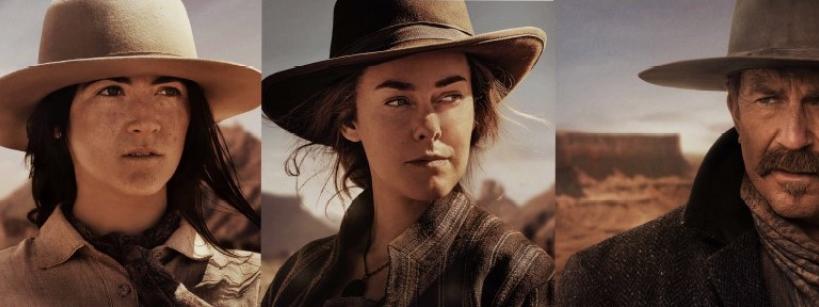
(428, 129)
(143, 126)
(796, 132)
(144, 116)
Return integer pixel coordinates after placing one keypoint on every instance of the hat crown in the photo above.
(364, 26)
(766, 27)
(81, 29)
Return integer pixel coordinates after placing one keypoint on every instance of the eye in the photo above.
(451, 98)
(397, 102)
(812, 100)
(170, 91)
(113, 90)
(767, 100)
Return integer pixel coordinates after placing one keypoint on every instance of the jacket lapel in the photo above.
(735, 272)
(715, 209)
(351, 239)
(716, 212)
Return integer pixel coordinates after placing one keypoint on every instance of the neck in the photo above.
(810, 229)
(393, 214)
(105, 211)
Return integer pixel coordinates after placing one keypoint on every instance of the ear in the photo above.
(350, 132)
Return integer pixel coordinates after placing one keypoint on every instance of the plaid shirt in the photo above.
(59, 268)
(456, 254)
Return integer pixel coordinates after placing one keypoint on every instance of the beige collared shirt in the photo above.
(59, 268)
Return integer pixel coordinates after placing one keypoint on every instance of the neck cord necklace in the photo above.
(357, 287)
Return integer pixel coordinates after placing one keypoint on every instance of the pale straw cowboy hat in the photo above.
(87, 40)
(764, 34)
(371, 32)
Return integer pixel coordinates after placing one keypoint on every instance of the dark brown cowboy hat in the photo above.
(764, 34)
(370, 32)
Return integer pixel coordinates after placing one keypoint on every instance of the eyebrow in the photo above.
(762, 87)
(449, 80)
(166, 79)
(402, 86)
(394, 84)
(126, 80)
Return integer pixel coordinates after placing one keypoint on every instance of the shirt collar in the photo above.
(436, 228)
(58, 241)
(189, 243)
(418, 252)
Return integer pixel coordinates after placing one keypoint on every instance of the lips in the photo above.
(795, 172)
(792, 174)
(142, 154)
(430, 159)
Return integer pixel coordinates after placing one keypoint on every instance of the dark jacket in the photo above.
(706, 253)
(455, 255)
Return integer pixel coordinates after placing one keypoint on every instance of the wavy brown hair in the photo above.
(205, 165)
(336, 108)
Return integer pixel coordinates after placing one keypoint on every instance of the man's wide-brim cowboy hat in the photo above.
(764, 34)
(370, 32)
(87, 40)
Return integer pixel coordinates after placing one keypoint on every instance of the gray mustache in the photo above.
(794, 161)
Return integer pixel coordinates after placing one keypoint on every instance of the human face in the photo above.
(126, 135)
(776, 113)
(414, 118)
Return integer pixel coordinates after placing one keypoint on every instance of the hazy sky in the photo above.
(298, 32)
(223, 29)
(603, 44)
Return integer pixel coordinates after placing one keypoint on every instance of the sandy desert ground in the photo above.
(602, 192)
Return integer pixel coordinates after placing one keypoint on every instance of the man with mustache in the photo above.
(749, 233)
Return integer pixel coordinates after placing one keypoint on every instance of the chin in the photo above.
(432, 190)
(141, 185)
(805, 207)
(140, 189)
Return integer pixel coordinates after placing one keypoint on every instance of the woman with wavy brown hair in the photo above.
(408, 97)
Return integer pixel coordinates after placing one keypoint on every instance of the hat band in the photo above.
(46, 60)
(398, 36)
(779, 52)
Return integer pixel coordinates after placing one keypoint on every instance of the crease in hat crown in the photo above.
(771, 27)
(392, 23)
(83, 29)
(764, 34)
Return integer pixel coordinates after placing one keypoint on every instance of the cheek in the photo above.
(175, 123)
(756, 137)
(457, 125)
(383, 129)
(92, 131)
(384, 139)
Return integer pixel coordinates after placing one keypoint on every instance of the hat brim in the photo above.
(514, 51)
(710, 74)
(230, 88)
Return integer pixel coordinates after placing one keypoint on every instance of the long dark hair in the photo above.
(205, 163)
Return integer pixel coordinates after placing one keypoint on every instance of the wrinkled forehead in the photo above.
(766, 79)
